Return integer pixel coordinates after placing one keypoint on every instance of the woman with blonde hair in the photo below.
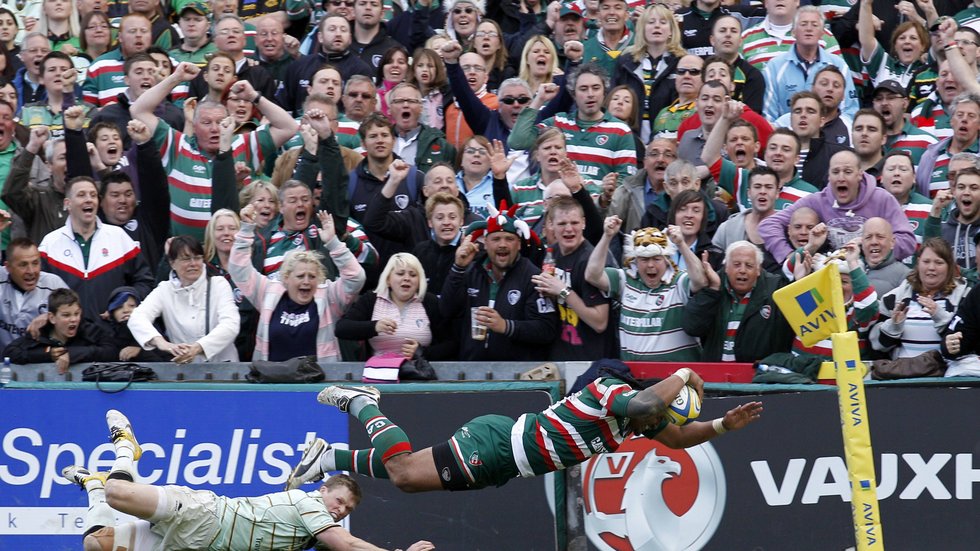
(646, 66)
(60, 23)
(264, 197)
(399, 316)
(297, 311)
(539, 61)
(219, 237)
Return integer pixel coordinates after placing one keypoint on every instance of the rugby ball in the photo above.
(686, 406)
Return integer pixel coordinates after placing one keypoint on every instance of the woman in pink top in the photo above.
(399, 316)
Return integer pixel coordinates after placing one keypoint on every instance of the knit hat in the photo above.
(503, 220)
(119, 296)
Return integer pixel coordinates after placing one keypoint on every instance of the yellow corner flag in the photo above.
(814, 305)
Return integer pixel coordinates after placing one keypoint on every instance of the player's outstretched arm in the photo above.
(338, 539)
(699, 432)
(653, 401)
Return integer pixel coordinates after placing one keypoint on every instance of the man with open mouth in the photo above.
(891, 99)
(105, 78)
(140, 74)
(964, 120)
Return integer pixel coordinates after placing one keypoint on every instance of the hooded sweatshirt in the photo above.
(958, 235)
(844, 222)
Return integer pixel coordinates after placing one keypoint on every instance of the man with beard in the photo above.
(885, 272)
(891, 100)
(513, 96)
(781, 153)
(140, 72)
(583, 310)
(24, 288)
(105, 79)
(963, 222)
(631, 199)
(735, 316)
(568, 27)
(416, 143)
(498, 291)
(334, 48)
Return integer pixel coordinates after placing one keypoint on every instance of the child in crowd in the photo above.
(65, 339)
(122, 302)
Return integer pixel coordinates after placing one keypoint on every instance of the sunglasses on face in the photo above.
(460, 11)
(688, 71)
(523, 100)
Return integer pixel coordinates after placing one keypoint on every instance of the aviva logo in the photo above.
(809, 301)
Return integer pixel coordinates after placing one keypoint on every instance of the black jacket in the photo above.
(436, 260)
(532, 321)
(662, 91)
(762, 331)
(256, 75)
(372, 52)
(358, 325)
(90, 344)
(966, 321)
(818, 161)
(299, 73)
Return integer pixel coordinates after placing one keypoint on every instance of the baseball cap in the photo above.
(196, 5)
(571, 8)
(892, 86)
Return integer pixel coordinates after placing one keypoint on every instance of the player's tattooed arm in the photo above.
(646, 404)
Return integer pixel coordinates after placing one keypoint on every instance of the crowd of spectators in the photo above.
(473, 180)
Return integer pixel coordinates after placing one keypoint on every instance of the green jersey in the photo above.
(283, 520)
(735, 181)
(650, 319)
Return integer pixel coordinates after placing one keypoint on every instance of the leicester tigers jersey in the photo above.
(586, 423)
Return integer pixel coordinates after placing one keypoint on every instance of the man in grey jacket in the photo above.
(630, 199)
(877, 244)
(24, 288)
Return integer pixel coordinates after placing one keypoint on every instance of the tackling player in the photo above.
(177, 517)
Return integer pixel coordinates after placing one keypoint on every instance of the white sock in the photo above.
(124, 458)
(327, 461)
(99, 513)
(358, 403)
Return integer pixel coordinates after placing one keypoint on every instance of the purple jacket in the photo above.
(843, 222)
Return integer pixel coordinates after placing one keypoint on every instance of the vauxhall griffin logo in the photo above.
(647, 497)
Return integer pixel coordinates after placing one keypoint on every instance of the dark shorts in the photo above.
(478, 455)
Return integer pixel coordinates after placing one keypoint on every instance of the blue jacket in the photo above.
(786, 75)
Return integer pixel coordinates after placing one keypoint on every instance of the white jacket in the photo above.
(183, 309)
